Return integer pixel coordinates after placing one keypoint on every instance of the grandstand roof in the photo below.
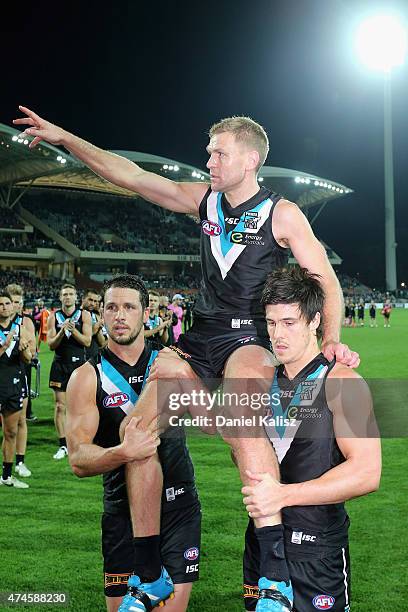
(48, 166)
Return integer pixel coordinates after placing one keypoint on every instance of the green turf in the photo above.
(50, 535)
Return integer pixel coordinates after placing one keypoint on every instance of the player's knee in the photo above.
(10, 433)
(59, 408)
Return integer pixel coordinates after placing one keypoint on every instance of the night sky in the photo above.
(154, 76)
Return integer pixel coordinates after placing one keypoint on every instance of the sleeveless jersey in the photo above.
(307, 449)
(92, 351)
(238, 250)
(10, 360)
(152, 322)
(69, 350)
(118, 388)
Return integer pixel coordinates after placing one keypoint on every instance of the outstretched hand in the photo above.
(39, 128)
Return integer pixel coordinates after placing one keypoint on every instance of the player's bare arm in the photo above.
(179, 197)
(84, 337)
(292, 230)
(54, 338)
(25, 346)
(87, 458)
(350, 401)
(30, 331)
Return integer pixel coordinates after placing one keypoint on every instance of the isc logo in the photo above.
(210, 228)
(232, 220)
(323, 602)
(114, 400)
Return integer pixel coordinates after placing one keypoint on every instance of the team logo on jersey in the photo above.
(115, 400)
(191, 554)
(323, 602)
(210, 228)
(251, 219)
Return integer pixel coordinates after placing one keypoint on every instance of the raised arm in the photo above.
(84, 337)
(179, 197)
(87, 458)
(54, 338)
(291, 229)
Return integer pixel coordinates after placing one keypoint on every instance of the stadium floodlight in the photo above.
(15, 138)
(381, 44)
(260, 179)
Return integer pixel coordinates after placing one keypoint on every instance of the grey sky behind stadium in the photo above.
(154, 76)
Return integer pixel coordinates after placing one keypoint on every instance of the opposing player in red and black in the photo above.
(328, 450)
(14, 351)
(69, 334)
(101, 394)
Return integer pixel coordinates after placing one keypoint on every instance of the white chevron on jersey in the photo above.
(226, 262)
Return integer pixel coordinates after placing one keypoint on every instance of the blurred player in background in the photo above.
(69, 334)
(14, 350)
(17, 296)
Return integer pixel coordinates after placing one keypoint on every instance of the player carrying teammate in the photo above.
(69, 333)
(247, 231)
(100, 394)
(329, 453)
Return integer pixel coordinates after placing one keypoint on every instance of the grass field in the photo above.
(50, 535)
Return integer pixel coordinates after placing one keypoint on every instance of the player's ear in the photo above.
(253, 160)
(315, 322)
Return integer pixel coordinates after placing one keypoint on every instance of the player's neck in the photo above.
(293, 368)
(129, 353)
(242, 192)
(5, 321)
(68, 310)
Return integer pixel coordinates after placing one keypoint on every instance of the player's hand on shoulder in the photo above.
(341, 352)
(39, 128)
(139, 444)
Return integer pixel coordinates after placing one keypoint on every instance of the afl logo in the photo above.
(191, 554)
(115, 400)
(323, 602)
(210, 228)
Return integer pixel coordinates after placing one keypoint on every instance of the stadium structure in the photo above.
(60, 220)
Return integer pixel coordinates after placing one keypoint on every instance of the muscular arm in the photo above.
(292, 229)
(30, 331)
(87, 458)
(54, 338)
(179, 197)
(84, 337)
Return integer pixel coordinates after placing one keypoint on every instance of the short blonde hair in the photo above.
(15, 290)
(245, 130)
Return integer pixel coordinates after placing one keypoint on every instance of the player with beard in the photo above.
(91, 302)
(329, 451)
(69, 334)
(246, 231)
(16, 292)
(14, 349)
(100, 395)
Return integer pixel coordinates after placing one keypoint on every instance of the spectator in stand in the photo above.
(175, 306)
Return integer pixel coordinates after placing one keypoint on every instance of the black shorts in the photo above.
(319, 583)
(60, 373)
(11, 391)
(180, 547)
(209, 343)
